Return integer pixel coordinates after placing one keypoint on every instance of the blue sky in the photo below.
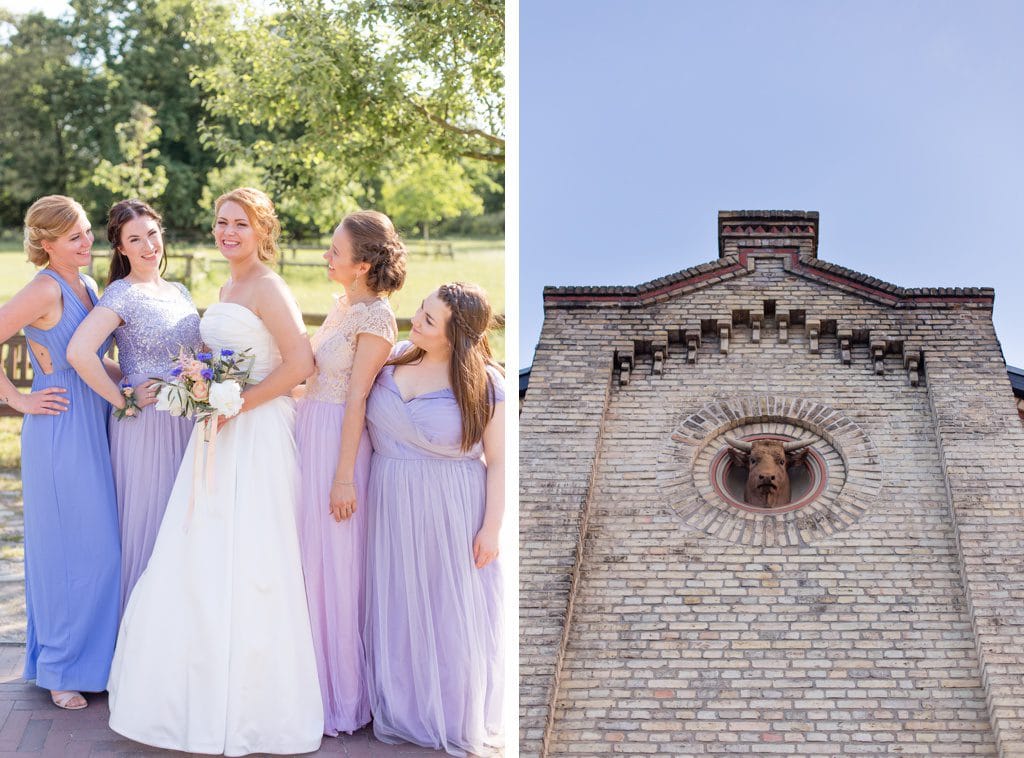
(49, 7)
(902, 123)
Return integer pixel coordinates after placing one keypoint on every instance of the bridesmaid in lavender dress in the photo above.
(367, 258)
(151, 319)
(436, 498)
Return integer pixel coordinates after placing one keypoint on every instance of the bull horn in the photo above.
(792, 447)
(743, 447)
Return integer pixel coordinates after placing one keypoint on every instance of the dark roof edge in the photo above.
(769, 215)
(1016, 380)
(828, 273)
(686, 276)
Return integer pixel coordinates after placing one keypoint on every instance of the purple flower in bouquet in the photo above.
(205, 385)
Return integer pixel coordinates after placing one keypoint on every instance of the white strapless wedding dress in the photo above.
(215, 652)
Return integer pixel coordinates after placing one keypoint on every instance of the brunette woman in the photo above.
(436, 498)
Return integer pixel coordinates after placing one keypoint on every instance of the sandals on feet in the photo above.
(68, 700)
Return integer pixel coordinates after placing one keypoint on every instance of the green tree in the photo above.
(303, 211)
(132, 177)
(49, 135)
(227, 178)
(363, 84)
(427, 191)
(319, 205)
(145, 50)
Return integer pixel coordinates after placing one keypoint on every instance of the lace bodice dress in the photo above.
(334, 345)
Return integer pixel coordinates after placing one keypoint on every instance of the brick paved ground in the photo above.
(29, 724)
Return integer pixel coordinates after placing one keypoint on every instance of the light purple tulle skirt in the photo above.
(332, 562)
(433, 626)
(145, 452)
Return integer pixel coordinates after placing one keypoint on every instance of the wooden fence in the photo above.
(199, 263)
(15, 360)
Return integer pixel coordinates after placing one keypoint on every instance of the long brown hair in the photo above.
(466, 331)
(120, 214)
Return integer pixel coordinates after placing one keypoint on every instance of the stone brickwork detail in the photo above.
(644, 632)
(853, 470)
(576, 383)
(981, 443)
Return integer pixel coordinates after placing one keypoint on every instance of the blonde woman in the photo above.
(72, 548)
(215, 652)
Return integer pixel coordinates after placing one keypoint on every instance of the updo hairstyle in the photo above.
(375, 241)
(49, 218)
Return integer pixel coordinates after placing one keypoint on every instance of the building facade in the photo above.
(880, 611)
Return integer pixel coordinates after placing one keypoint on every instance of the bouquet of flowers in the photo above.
(205, 385)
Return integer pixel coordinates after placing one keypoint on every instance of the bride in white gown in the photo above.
(215, 652)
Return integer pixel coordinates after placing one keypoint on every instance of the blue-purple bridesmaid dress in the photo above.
(72, 544)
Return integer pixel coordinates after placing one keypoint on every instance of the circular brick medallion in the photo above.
(841, 479)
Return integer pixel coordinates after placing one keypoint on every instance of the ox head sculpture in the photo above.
(767, 462)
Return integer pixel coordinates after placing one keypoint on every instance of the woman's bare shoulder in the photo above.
(41, 291)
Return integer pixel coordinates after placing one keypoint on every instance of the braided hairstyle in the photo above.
(375, 241)
(468, 323)
(120, 214)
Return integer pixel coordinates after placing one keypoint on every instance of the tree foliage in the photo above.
(318, 98)
(48, 129)
(133, 177)
(303, 210)
(146, 49)
(427, 191)
(70, 81)
(363, 84)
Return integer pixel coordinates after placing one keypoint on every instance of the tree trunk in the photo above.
(62, 168)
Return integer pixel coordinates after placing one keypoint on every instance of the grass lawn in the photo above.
(479, 261)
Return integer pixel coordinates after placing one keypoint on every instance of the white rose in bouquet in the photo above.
(226, 397)
(171, 399)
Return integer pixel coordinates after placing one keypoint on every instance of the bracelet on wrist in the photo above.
(338, 481)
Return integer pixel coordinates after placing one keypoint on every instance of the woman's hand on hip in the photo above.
(46, 402)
